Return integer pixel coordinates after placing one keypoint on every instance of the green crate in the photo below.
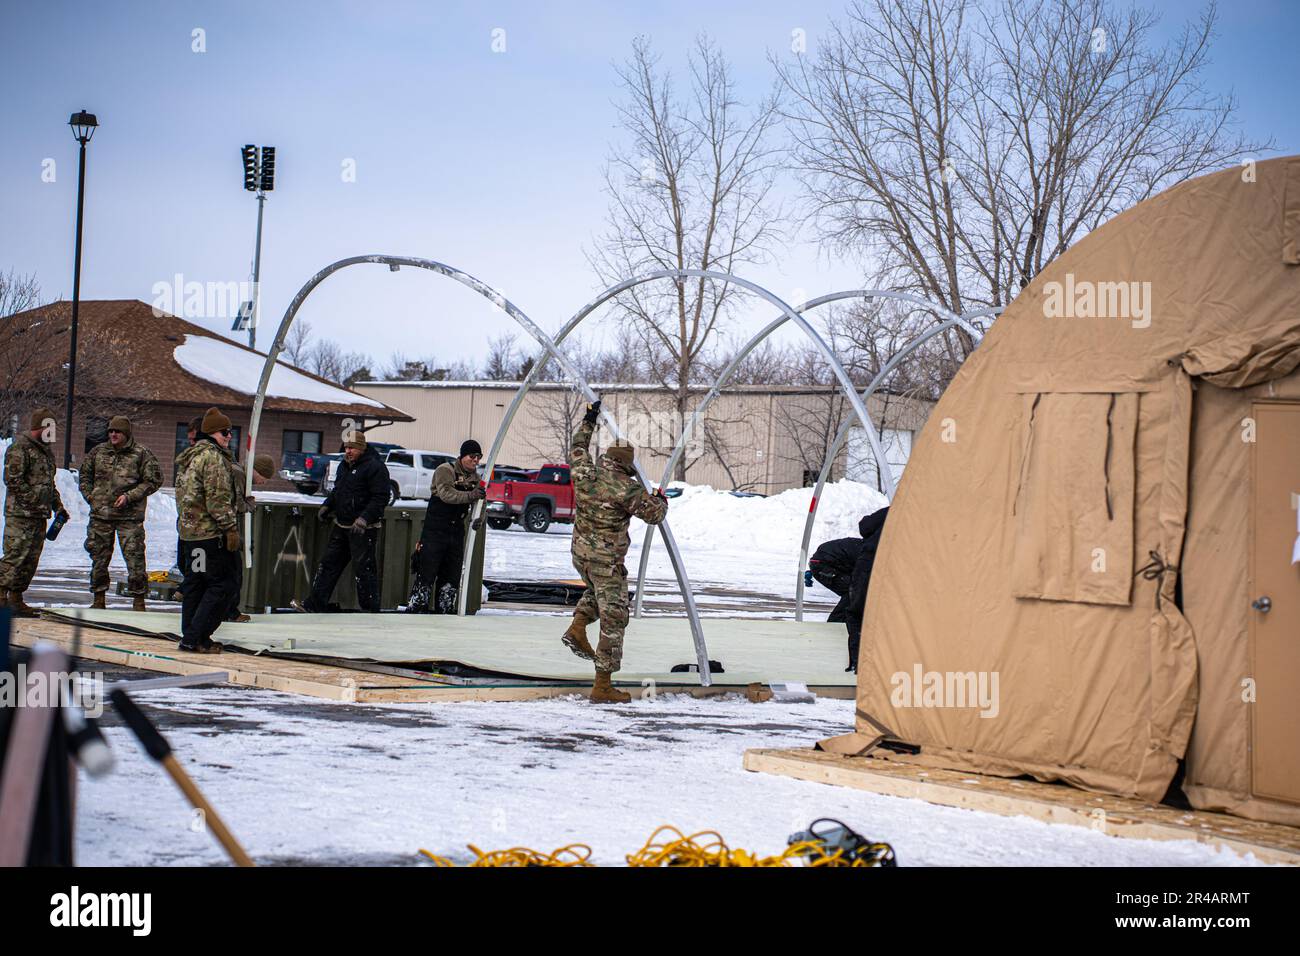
(288, 541)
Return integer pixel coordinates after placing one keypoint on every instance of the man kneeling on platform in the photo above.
(606, 495)
(440, 554)
(356, 506)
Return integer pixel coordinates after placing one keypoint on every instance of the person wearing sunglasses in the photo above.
(441, 552)
(116, 479)
(209, 529)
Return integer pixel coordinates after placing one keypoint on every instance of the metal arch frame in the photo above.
(730, 369)
(549, 346)
(535, 372)
(842, 435)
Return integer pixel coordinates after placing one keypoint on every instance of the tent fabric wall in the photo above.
(1097, 682)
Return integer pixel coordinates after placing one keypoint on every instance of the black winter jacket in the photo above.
(836, 557)
(871, 527)
(360, 490)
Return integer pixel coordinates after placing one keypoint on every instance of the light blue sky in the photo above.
(491, 162)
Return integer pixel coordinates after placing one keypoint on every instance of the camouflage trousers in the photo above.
(605, 599)
(99, 545)
(23, 541)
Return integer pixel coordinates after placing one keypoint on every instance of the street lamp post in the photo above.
(83, 128)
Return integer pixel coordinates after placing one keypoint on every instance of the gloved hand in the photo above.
(359, 526)
(807, 579)
(479, 493)
(232, 540)
(593, 412)
(478, 524)
(324, 514)
(62, 513)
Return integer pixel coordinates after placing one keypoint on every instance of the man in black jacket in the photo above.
(441, 551)
(356, 506)
(870, 527)
(832, 565)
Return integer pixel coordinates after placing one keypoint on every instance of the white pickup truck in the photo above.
(410, 472)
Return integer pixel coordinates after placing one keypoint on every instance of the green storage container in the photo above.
(288, 541)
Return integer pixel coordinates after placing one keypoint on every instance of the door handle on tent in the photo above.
(1262, 604)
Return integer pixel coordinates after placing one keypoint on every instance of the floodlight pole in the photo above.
(257, 273)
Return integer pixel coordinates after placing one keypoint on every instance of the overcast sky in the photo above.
(489, 161)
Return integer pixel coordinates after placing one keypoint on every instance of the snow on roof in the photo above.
(224, 363)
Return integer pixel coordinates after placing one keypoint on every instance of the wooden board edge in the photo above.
(800, 765)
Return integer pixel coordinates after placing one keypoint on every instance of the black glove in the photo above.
(479, 493)
(593, 412)
(323, 515)
(478, 524)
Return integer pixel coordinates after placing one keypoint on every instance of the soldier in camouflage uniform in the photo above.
(606, 495)
(117, 477)
(31, 496)
(209, 530)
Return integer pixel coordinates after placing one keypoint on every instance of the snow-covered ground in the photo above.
(354, 784)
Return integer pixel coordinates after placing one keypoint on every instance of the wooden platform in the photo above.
(326, 681)
(1050, 803)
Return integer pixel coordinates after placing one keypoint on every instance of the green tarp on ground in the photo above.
(528, 645)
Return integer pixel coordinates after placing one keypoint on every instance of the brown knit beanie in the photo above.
(120, 423)
(264, 465)
(41, 416)
(213, 422)
(623, 454)
(354, 438)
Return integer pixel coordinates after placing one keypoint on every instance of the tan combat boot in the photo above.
(603, 692)
(19, 607)
(575, 638)
(137, 603)
(98, 603)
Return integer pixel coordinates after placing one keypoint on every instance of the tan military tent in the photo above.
(1064, 588)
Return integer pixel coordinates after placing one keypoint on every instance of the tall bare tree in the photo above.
(690, 189)
(963, 145)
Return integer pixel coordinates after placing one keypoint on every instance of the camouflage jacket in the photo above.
(239, 482)
(30, 491)
(205, 491)
(108, 472)
(605, 497)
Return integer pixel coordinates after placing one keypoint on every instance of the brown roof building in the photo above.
(160, 371)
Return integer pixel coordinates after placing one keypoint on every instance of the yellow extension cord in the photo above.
(706, 848)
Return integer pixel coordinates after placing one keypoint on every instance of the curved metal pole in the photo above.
(788, 314)
(725, 376)
(842, 435)
(523, 320)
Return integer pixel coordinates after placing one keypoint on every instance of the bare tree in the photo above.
(327, 359)
(297, 344)
(504, 359)
(965, 145)
(691, 189)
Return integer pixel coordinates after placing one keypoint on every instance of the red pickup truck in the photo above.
(533, 498)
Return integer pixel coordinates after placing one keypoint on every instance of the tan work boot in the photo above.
(98, 603)
(575, 638)
(137, 603)
(603, 692)
(19, 607)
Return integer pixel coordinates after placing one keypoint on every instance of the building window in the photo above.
(96, 432)
(300, 441)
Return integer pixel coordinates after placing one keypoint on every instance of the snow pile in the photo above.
(68, 550)
(704, 519)
(223, 363)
